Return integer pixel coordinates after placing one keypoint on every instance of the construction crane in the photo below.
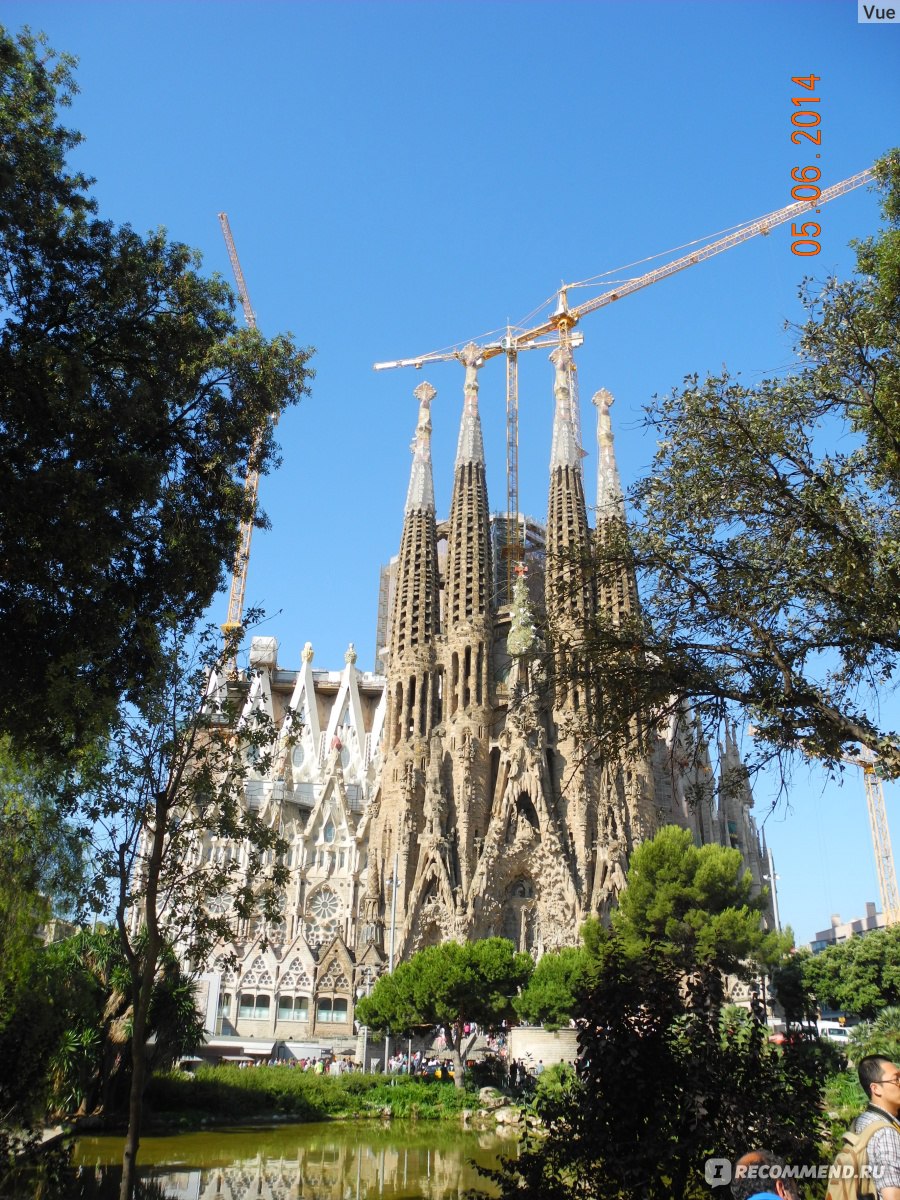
(251, 482)
(564, 319)
(881, 834)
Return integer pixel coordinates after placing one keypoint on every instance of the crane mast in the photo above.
(881, 835)
(561, 324)
(251, 481)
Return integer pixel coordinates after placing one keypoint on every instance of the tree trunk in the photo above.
(460, 1054)
(143, 975)
(136, 1098)
(458, 1066)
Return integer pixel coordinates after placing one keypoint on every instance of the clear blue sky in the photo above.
(404, 176)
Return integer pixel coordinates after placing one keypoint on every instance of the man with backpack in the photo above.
(880, 1080)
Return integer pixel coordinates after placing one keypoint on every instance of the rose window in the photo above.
(322, 924)
(324, 905)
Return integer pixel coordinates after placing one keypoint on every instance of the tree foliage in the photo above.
(449, 987)
(130, 403)
(551, 995)
(42, 873)
(766, 536)
(90, 1069)
(42, 855)
(695, 905)
(860, 976)
(879, 1036)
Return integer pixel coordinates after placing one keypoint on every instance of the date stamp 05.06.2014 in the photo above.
(806, 122)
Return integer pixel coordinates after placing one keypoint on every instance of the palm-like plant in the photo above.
(881, 1036)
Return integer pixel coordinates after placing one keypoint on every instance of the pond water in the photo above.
(333, 1161)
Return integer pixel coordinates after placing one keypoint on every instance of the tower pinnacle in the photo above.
(470, 448)
(421, 482)
(565, 451)
(610, 501)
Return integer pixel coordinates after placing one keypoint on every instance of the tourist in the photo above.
(880, 1080)
(766, 1184)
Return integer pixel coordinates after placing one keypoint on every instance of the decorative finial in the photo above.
(420, 493)
(350, 656)
(307, 652)
(470, 447)
(425, 393)
(604, 401)
(610, 500)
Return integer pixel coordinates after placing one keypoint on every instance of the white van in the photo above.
(834, 1031)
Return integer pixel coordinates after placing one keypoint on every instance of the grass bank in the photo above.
(230, 1094)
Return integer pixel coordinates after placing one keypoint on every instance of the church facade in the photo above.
(452, 796)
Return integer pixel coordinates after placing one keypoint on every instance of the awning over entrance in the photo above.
(236, 1048)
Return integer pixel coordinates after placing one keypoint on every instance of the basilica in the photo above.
(452, 795)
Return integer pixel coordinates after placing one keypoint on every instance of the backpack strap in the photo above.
(861, 1140)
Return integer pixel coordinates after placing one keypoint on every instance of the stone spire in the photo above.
(615, 583)
(416, 607)
(469, 549)
(568, 534)
(420, 494)
(610, 501)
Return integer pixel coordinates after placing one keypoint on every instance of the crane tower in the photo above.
(251, 482)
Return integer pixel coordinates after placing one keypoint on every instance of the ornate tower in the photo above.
(468, 632)
(414, 687)
(570, 605)
(457, 763)
(616, 587)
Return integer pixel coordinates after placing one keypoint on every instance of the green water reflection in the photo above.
(335, 1161)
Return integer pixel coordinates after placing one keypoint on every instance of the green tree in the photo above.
(791, 989)
(171, 781)
(42, 855)
(766, 536)
(448, 987)
(695, 906)
(551, 995)
(860, 976)
(130, 403)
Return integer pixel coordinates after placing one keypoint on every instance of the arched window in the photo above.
(254, 1007)
(331, 1009)
(293, 1008)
